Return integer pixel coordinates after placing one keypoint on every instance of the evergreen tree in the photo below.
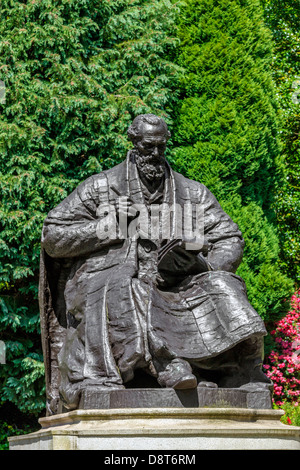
(283, 18)
(75, 73)
(226, 131)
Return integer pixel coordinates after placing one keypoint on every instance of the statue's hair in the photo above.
(134, 129)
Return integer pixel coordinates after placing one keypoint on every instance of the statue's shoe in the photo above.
(186, 382)
(257, 387)
(206, 384)
(177, 375)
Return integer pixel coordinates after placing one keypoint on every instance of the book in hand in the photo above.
(191, 259)
(163, 250)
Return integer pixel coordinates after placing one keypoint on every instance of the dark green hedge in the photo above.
(76, 73)
(226, 132)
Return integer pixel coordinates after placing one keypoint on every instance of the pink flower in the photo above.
(282, 365)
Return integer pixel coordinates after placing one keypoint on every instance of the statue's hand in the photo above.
(189, 257)
(125, 208)
(195, 245)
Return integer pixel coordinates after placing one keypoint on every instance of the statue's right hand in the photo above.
(124, 208)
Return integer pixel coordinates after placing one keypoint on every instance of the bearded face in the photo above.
(149, 152)
(150, 167)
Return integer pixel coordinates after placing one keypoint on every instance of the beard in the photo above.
(150, 167)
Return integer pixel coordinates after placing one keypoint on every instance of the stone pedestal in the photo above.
(162, 429)
(93, 398)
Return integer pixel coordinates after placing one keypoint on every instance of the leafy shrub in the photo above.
(282, 365)
(292, 412)
(8, 430)
(14, 423)
(283, 19)
(226, 132)
(76, 73)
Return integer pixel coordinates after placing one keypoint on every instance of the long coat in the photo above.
(103, 314)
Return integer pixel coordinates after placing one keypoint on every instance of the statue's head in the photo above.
(149, 134)
(143, 124)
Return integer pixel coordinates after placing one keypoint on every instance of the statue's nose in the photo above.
(156, 152)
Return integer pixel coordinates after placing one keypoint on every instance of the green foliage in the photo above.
(76, 73)
(22, 375)
(268, 289)
(8, 430)
(283, 18)
(15, 423)
(226, 128)
(226, 131)
(291, 413)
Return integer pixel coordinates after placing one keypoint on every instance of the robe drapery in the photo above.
(108, 307)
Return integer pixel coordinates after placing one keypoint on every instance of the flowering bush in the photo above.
(282, 365)
(292, 413)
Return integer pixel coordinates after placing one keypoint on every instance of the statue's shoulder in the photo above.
(115, 170)
(102, 179)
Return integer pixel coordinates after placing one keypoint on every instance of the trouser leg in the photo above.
(251, 355)
(239, 366)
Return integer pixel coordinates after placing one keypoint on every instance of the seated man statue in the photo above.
(137, 272)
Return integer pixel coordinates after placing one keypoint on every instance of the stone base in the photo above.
(162, 429)
(93, 398)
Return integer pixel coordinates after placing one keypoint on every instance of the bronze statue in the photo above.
(123, 289)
